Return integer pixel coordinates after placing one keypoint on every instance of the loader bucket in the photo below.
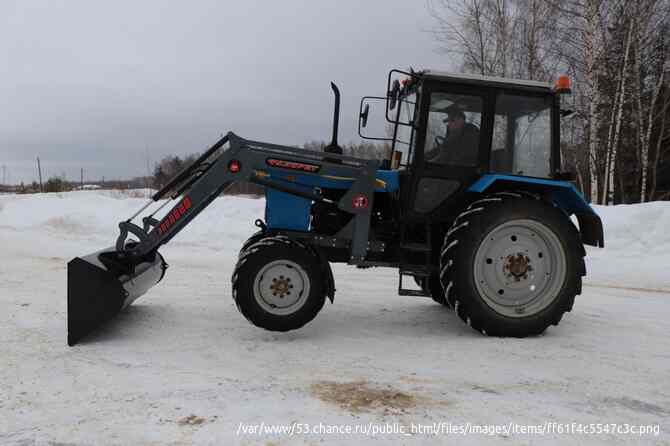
(102, 284)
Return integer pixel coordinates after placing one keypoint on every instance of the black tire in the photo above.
(255, 237)
(249, 276)
(474, 228)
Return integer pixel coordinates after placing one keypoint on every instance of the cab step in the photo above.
(412, 271)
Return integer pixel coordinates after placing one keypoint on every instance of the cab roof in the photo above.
(499, 82)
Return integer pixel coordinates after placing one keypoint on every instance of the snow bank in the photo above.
(637, 246)
(637, 237)
(637, 228)
(89, 220)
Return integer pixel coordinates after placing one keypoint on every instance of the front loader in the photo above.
(470, 203)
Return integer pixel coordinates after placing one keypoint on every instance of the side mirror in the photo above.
(377, 119)
(363, 116)
(393, 94)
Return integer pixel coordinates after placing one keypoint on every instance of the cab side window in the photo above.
(522, 136)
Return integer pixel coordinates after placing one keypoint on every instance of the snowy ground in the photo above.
(181, 366)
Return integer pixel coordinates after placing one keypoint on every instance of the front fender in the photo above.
(562, 193)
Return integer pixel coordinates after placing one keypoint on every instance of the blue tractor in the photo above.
(470, 205)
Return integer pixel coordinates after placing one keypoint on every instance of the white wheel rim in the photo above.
(281, 287)
(520, 268)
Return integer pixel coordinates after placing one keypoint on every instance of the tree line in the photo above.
(61, 184)
(618, 54)
(171, 165)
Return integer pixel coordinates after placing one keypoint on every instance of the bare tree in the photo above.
(655, 52)
(662, 140)
(476, 31)
(614, 49)
(615, 122)
(536, 40)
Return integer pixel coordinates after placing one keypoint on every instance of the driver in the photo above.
(460, 146)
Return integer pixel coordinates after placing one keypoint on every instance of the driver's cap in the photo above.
(454, 112)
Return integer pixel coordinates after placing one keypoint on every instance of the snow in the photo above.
(182, 366)
(637, 240)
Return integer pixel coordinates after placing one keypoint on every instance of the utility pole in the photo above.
(39, 170)
(4, 174)
(147, 181)
(82, 178)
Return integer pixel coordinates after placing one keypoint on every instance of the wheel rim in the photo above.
(281, 287)
(520, 268)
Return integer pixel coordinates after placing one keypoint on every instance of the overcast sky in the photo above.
(99, 84)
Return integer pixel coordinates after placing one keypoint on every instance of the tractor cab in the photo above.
(447, 130)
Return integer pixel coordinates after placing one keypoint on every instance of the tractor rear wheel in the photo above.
(278, 284)
(511, 265)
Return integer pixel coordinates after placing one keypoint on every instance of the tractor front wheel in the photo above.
(511, 265)
(278, 284)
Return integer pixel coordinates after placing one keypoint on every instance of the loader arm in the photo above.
(252, 161)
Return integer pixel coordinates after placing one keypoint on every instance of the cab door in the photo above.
(452, 145)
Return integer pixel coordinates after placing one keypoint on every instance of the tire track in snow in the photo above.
(619, 287)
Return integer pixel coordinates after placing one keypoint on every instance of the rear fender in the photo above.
(562, 193)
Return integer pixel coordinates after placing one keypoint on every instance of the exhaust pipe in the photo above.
(100, 285)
